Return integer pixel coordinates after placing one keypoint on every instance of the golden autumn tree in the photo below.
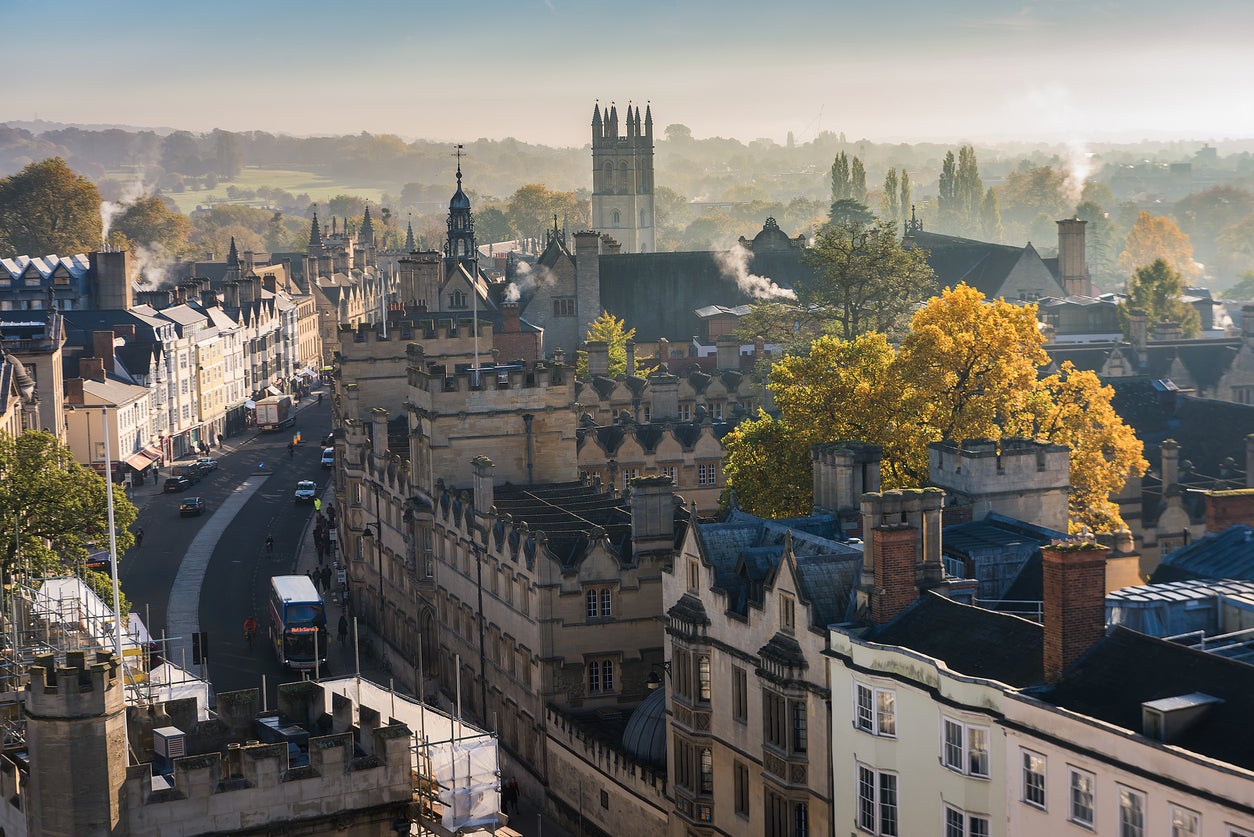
(614, 332)
(967, 369)
(1155, 237)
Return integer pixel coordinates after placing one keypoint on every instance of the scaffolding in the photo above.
(54, 616)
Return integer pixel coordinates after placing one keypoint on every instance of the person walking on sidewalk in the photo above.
(326, 579)
(343, 629)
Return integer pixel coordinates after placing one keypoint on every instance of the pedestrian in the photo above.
(221, 441)
(318, 546)
(326, 579)
(343, 630)
(509, 795)
(269, 544)
(139, 538)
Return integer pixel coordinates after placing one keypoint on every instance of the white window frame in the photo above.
(962, 757)
(874, 821)
(1189, 816)
(1075, 812)
(877, 721)
(1131, 817)
(1027, 783)
(956, 822)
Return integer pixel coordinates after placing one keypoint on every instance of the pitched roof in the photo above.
(969, 640)
(570, 515)
(1126, 668)
(981, 265)
(1227, 554)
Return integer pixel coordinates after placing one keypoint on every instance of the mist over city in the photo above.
(687, 418)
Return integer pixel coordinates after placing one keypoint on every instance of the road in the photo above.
(229, 549)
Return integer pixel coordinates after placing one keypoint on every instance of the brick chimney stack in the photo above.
(1074, 608)
(901, 549)
(102, 347)
(509, 318)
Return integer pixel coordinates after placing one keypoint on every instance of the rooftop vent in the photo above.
(169, 742)
(1167, 719)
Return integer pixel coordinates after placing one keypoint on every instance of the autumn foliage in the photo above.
(967, 369)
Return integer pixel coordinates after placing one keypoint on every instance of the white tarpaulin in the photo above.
(462, 758)
(169, 682)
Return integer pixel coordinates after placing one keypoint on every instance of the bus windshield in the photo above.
(305, 614)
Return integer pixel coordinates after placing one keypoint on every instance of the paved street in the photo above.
(221, 554)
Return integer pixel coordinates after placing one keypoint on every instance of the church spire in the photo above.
(409, 238)
(315, 236)
(232, 256)
(366, 233)
(648, 121)
(597, 131)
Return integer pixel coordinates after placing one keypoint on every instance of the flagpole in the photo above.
(113, 539)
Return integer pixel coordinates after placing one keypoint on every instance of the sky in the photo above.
(459, 70)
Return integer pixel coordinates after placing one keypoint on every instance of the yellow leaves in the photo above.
(968, 369)
(1155, 237)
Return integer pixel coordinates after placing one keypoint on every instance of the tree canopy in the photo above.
(1156, 289)
(149, 222)
(1156, 237)
(865, 280)
(53, 511)
(966, 369)
(48, 209)
(615, 334)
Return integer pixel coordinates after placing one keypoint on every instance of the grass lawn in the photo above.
(319, 188)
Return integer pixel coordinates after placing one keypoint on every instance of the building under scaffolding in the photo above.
(91, 747)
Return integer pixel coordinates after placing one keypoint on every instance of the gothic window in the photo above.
(617, 218)
(457, 299)
(564, 306)
(608, 168)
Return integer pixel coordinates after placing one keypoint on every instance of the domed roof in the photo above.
(644, 739)
(459, 200)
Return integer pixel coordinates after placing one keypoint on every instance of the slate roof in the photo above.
(981, 265)
(569, 514)
(745, 552)
(1126, 668)
(633, 283)
(1006, 540)
(1227, 554)
(969, 640)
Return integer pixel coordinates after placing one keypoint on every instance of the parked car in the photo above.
(207, 464)
(190, 470)
(328, 458)
(191, 507)
(306, 490)
(179, 483)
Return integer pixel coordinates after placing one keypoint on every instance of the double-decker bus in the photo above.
(298, 622)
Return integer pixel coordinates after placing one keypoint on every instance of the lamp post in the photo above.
(377, 535)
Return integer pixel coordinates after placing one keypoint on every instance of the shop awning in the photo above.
(328, 369)
(308, 373)
(152, 452)
(274, 390)
(138, 461)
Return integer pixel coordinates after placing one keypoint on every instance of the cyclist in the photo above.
(250, 631)
(269, 544)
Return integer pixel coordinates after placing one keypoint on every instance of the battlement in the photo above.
(554, 383)
(1022, 478)
(409, 330)
(76, 689)
(615, 764)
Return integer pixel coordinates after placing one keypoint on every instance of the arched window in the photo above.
(707, 771)
(623, 178)
(617, 218)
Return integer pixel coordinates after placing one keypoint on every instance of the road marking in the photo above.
(182, 616)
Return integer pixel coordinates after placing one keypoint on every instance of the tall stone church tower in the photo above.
(622, 177)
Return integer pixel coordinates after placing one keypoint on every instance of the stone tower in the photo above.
(622, 177)
(76, 737)
(1073, 267)
(459, 247)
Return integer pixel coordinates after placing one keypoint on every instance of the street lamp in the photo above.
(377, 535)
(653, 680)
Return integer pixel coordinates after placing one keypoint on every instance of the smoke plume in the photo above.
(527, 277)
(734, 264)
(109, 210)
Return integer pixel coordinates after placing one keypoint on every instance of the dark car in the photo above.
(173, 484)
(191, 507)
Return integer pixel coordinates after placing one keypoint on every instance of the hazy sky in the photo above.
(948, 70)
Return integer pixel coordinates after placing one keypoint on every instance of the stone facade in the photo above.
(622, 178)
(1020, 478)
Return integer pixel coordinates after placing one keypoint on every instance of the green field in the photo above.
(319, 188)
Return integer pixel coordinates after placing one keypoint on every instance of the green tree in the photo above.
(531, 210)
(1242, 291)
(904, 199)
(890, 204)
(615, 334)
(48, 209)
(968, 189)
(55, 510)
(848, 210)
(990, 218)
(149, 222)
(966, 369)
(768, 465)
(857, 181)
(842, 186)
(1156, 289)
(492, 225)
(864, 279)
(947, 193)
